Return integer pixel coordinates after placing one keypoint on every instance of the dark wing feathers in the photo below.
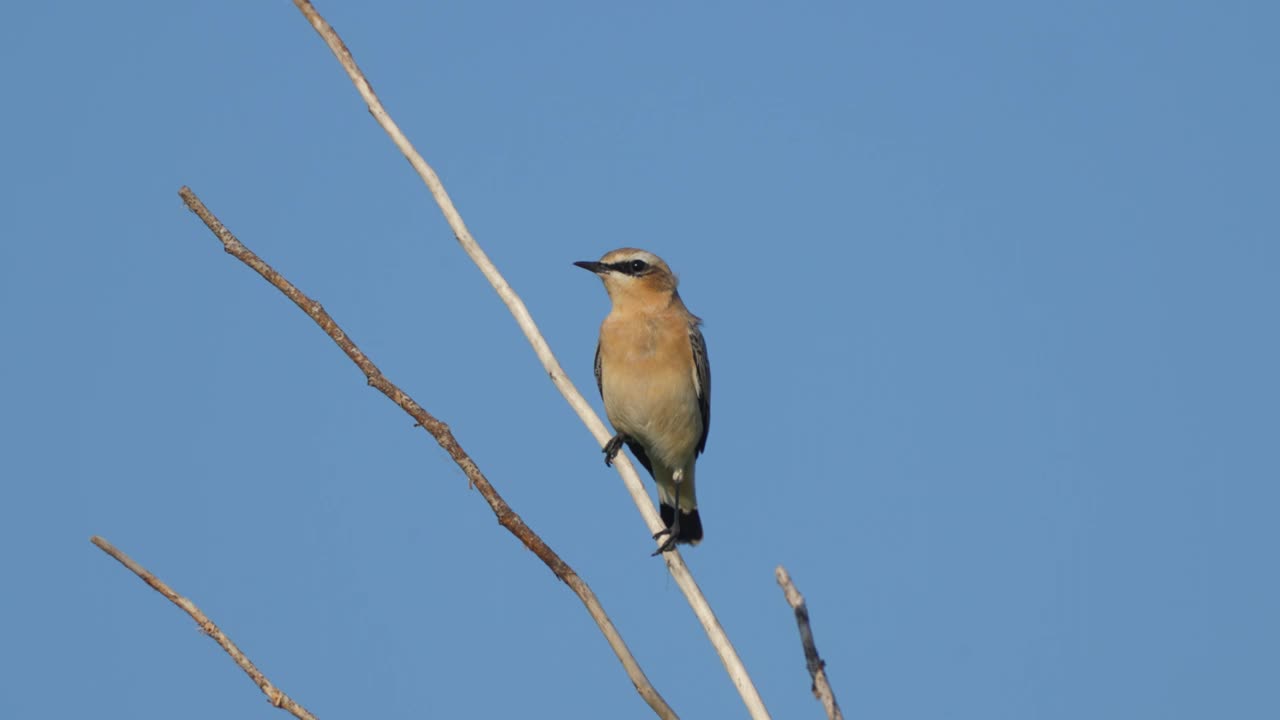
(702, 370)
(638, 451)
(599, 380)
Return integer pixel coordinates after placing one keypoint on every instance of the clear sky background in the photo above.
(990, 293)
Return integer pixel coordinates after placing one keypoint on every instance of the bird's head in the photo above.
(634, 276)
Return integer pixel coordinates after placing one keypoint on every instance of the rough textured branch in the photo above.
(440, 431)
(675, 564)
(817, 668)
(274, 695)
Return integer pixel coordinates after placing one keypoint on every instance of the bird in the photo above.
(653, 375)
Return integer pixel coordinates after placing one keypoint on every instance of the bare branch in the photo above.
(274, 695)
(817, 668)
(440, 431)
(675, 564)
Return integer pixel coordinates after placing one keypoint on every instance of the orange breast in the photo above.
(647, 382)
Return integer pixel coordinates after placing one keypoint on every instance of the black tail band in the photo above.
(690, 524)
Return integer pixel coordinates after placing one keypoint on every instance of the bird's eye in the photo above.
(637, 266)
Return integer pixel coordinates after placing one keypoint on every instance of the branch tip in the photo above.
(207, 627)
(816, 665)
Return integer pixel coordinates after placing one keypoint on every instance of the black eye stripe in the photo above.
(632, 267)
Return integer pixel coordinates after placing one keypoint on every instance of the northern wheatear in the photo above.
(652, 371)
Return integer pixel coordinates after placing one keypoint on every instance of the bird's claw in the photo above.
(611, 449)
(670, 544)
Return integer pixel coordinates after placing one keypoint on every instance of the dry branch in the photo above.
(635, 487)
(440, 431)
(274, 695)
(817, 668)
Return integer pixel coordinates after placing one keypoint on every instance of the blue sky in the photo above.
(990, 293)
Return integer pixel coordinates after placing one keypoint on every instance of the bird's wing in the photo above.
(599, 377)
(701, 381)
(638, 451)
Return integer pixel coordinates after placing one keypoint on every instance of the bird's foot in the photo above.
(670, 544)
(612, 448)
(672, 532)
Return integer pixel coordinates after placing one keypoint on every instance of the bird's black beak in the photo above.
(593, 266)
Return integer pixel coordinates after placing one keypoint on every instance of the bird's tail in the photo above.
(690, 523)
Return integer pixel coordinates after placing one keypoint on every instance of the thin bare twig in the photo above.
(440, 431)
(274, 694)
(635, 487)
(817, 668)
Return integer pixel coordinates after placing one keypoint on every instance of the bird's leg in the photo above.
(673, 531)
(612, 448)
